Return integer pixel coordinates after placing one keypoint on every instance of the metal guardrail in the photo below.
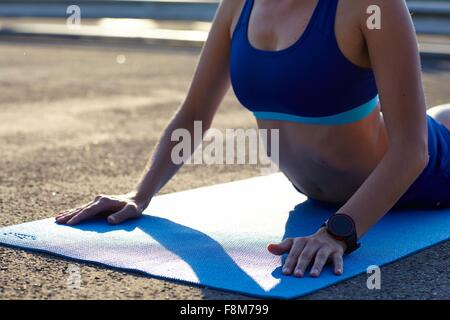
(200, 10)
(429, 8)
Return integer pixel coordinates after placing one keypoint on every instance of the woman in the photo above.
(349, 105)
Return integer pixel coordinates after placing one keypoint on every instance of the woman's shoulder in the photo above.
(232, 7)
(362, 10)
(230, 11)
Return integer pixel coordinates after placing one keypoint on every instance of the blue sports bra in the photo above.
(311, 81)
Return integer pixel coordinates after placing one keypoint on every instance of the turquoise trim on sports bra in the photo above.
(350, 116)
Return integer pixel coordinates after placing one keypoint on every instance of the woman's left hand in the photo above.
(316, 249)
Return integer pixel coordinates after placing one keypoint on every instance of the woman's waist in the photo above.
(329, 162)
(329, 184)
(343, 146)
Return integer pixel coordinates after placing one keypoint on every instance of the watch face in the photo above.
(341, 225)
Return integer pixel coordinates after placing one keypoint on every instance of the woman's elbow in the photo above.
(420, 150)
(414, 153)
(419, 156)
(423, 158)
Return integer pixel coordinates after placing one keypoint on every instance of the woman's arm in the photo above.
(395, 61)
(208, 87)
(396, 64)
(210, 83)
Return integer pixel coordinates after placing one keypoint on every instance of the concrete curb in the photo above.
(189, 38)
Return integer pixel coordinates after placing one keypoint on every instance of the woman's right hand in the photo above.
(117, 208)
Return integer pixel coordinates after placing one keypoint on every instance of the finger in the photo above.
(70, 213)
(294, 253)
(338, 262)
(88, 212)
(128, 212)
(66, 212)
(280, 248)
(321, 259)
(305, 258)
(64, 218)
(62, 213)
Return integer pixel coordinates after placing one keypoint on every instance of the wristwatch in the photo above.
(342, 227)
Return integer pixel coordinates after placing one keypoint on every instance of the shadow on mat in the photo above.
(188, 243)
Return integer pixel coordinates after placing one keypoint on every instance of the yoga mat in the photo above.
(216, 236)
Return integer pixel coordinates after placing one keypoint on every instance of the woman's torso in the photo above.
(326, 162)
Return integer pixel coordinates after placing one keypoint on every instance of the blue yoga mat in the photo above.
(217, 236)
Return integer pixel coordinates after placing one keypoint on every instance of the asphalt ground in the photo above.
(79, 120)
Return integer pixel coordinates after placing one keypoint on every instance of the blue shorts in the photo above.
(431, 190)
